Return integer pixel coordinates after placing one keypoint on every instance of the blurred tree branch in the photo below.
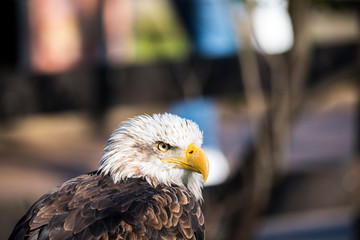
(236, 204)
(357, 164)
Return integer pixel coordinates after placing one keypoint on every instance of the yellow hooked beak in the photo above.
(195, 160)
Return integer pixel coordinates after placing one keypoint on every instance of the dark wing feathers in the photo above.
(91, 206)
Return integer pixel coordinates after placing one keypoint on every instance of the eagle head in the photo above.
(162, 149)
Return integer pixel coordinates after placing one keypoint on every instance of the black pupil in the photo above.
(164, 146)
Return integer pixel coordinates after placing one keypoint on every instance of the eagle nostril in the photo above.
(191, 152)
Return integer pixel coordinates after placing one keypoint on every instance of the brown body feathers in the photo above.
(92, 206)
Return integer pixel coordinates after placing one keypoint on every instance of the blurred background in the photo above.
(274, 85)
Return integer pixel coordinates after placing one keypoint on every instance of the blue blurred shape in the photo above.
(209, 25)
(214, 35)
(204, 112)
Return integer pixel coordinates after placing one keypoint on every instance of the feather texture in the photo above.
(92, 206)
(131, 151)
(135, 194)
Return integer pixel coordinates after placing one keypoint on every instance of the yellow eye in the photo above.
(163, 147)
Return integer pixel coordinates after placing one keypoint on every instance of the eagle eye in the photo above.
(163, 147)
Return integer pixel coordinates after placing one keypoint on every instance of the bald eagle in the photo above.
(148, 186)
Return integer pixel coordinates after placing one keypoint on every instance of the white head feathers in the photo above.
(132, 151)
